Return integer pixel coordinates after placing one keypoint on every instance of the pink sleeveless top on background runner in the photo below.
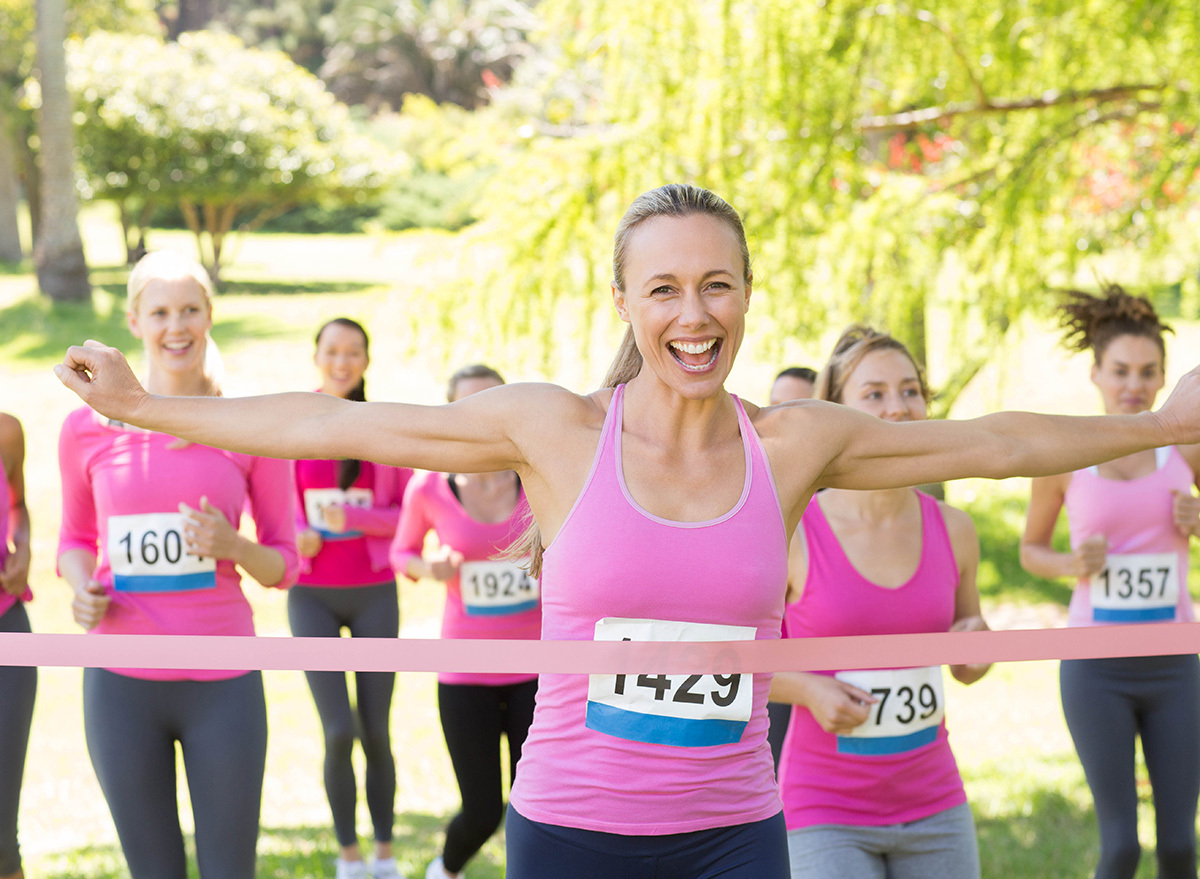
(1136, 516)
(656, 754)
(831, 779)
(431, 505)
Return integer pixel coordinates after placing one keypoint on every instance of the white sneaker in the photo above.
(385, 868)
(351, 869)
(437, 870)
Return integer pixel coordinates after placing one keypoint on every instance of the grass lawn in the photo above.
(1031, 804)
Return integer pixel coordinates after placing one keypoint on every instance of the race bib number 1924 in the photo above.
(496, 588)
(683, 710)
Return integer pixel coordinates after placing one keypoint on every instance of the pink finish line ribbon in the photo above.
(594, 657)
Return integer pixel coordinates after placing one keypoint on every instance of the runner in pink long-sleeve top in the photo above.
(149, 544)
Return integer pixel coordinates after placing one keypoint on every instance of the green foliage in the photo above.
(380, 51)
(889, 161)
(223, 131)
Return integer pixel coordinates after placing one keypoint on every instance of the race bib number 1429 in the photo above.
(683, 710)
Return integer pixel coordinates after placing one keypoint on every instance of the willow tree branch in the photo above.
(1052, 98)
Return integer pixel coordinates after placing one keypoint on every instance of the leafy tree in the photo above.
(17, 65)
(450, 50)
(227, 133)
(891, 160)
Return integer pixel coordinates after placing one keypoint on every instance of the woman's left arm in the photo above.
(1186, 507)
(14, 576)
(869, 452)
(968, 617)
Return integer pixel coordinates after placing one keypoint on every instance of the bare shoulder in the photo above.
(961, 528)
(12, 437)
(801, 437)
(547, 404)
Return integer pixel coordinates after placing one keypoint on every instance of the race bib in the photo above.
(316, 499)
(906, 717)
(496, 588)
(685, 710)
(1136, 588)
(146, 553)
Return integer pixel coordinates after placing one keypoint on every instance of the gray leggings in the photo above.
(18, 686)
(368, 612)
(132, 726)
(1108, 703)
(942, 846)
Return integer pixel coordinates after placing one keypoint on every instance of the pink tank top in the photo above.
(656, 754)
(490, 597)
(898, 766)
(1146, 579)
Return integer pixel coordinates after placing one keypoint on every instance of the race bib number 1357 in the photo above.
(683, 710)
(1136, 588)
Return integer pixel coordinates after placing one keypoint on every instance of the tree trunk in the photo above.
(10, 233)
(29, 176)
(62, 270)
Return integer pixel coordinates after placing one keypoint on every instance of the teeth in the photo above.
(694, 347)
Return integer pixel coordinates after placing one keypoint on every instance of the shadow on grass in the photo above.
(37, 330)
(287, 288)
(300, 852)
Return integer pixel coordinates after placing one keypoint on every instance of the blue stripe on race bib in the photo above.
(170, 583)
(334, 536)
(659, 730)
(887, 744)
(1140, 615)
(498, 610)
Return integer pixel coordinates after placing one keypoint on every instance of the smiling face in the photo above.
(341, 357)
(172, 317)
(885, 384)
(685, 298)
(1129, 374)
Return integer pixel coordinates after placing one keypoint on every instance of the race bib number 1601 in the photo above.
(146, 553)
(683, 710)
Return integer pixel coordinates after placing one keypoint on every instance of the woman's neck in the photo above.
(869, 506)
(169, 384)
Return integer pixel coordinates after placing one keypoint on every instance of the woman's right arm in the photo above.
(836, 706)
(1038, 556)
(90, 601)
(480, 433)
(406, 552)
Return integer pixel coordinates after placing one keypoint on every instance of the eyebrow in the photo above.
(1120, 363)
(913, 380)
(667, 276)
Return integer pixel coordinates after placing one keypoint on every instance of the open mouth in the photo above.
(695, 356)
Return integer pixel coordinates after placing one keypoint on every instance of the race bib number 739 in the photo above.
(906, 715)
